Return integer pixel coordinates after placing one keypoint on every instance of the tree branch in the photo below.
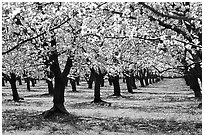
(164, 15)
(67, 67)
(172, 27)
(125, 37)
(188, 43)
(6, 76)
(119, 13)
(54, 67)
(30, 39)
(164, 70)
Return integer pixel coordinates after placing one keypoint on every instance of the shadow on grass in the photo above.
(11, 102)
(22, 120)
(147, 126)
(178, 99)
(156, 93)
(40, 95)
(90, 105)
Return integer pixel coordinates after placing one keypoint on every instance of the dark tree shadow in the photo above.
(90, 104)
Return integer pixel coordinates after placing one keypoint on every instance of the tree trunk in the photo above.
(141, 82)
(146, 81)
(33, 82)
(110, 80)
(97, 79)
(77, 80)
(60, 81)
(146, 72)
(102, 82)
(73, 84)
(153, 80)
(97, 97)
(59, 88)
(186, 78)
(129, 84)
(13, 87)
(28, 83)
(50, 87)
(59, 91)
(150, 80)
(20, 81)
(90, 81)
(116, 86)
(194, 85)
(133, 82)
(198, 71)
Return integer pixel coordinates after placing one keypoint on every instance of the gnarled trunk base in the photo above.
(57, 108)
(100, 102)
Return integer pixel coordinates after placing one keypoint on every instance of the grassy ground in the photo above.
(167, 107)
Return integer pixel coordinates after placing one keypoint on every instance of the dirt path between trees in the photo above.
(167, 107)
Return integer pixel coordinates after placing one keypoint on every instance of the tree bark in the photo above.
(153, 81)
(73, 84)
(97, 97)
(110, 80)
(19, 80)
(198, 71)
(28, 83)
(90, 81)
(116, 86)
(146, 81)
(97, 79)
(150, 78)
(132, 78)
(141, 77)
(194, 85)
(50, 87)
(102, 82)
(146, 76)
(14, 88)
(77, 80)
(59, 91)
(186, 78)
(129, 84)
(60, 80)
(141, 82)
(59, 86)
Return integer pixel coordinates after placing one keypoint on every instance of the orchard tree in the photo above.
(14, 65)
(185, 19)
(55, 38)
(107, 35)
(26, 23)
(10, 68)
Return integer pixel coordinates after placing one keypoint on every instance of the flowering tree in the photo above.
(185, 20)
(102, 36)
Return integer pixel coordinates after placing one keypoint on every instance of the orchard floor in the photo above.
(164, 108)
